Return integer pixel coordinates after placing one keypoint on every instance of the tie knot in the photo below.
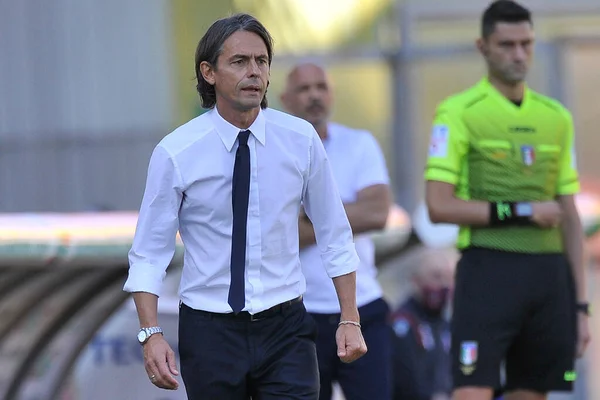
(243, 137)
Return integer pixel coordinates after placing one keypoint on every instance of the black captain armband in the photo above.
(509, 213)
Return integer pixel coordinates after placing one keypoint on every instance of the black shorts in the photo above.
(518, 309)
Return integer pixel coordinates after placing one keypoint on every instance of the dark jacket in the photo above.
(421, 353)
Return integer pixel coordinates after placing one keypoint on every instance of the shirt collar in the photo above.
(228, 132)
(487, 86)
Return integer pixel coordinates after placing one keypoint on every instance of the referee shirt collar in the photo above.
(229, 132)
(487, 86)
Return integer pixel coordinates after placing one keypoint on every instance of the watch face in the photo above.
(141, 336)
(524, 210)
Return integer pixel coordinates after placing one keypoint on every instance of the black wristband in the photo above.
(510, 213)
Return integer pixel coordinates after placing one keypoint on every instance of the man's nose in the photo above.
(253, 68)
(520, 53)
(314, 94)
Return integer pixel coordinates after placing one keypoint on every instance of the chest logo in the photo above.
(528, 155)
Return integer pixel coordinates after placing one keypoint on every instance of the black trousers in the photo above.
(369, 377)
(235, 358)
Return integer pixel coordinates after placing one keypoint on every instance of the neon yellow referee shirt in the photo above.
(494, 150)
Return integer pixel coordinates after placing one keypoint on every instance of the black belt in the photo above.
(246, 316)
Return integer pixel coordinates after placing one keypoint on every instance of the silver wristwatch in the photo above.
(145, 333)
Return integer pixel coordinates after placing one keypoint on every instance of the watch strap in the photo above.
(504, 213)
(153, 330)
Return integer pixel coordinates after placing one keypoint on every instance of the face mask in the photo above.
(435, 299)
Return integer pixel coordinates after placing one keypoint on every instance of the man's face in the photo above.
(241, 75)
(508, 51)
(434, 281)
(308, 94)
(435, 274)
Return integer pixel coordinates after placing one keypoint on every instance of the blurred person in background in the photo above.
(502, 166)
(362, 179)
(243, 329)
(421, 325)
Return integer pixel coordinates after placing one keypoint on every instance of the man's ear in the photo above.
(283, 98)
(481, 46)
(208, 72)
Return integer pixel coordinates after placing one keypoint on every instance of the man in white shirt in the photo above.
(361, 177)
(232, 181)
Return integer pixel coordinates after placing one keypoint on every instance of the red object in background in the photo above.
(591, 187)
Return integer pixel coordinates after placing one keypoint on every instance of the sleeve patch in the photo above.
(401, 327)
(438, 146)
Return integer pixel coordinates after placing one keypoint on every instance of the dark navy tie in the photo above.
(240, 196)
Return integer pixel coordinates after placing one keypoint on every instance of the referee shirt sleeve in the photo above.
(447, 147)
(155, 236)
(568, 178)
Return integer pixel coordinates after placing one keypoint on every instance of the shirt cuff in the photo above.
(441, 175)
(372, 182)
(340, 261)
(569, 188)
(144, 278)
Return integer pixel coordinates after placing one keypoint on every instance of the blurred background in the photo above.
(89, 87)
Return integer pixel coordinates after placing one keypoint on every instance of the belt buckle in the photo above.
(265, 313)
(256, 317)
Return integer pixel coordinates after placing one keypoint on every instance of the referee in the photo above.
(501, 165)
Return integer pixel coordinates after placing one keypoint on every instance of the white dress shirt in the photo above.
(189, 188)
(357, 163)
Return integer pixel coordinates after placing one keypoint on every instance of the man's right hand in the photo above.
(547, 214)
(159, 361)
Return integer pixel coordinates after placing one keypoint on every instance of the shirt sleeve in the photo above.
(323, 205)
(372, 169)
(154, 242)
(447, 147)
(568, 178)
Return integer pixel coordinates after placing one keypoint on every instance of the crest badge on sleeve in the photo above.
(468, 357)
(438, 145)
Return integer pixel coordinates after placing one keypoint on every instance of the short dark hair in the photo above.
(503, 11)
(211, 45)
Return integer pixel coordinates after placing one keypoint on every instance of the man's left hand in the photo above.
(583, 329)
(350, 343)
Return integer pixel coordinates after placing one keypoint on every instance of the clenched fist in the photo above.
(350, 343)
